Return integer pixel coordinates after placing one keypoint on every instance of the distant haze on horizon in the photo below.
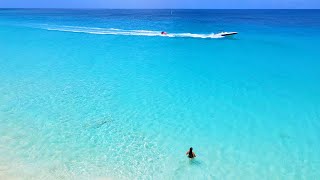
(164, 4)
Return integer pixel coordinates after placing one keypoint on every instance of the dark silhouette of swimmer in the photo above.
(164, 33)
(191, 154)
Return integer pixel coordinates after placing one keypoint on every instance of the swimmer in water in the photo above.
(191, 154)
(164, 33)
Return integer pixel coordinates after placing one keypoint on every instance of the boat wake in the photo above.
(113, 31)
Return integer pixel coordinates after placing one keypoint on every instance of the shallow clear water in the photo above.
(79, 102)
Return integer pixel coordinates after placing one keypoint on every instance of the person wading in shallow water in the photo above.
(191, 154)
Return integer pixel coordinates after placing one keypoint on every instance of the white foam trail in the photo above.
(114, 31)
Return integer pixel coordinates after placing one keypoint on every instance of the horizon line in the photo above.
(75, 8)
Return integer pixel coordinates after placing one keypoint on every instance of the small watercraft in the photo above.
(164, 33)
(228, 33)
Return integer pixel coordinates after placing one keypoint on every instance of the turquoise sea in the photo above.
(100, 94)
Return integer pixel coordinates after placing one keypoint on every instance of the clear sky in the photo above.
(162, 4)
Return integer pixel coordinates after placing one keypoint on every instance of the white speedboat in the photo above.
(227, 33)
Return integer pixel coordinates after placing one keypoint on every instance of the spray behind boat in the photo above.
(223, 34)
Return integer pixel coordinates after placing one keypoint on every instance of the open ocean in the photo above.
(100, 94)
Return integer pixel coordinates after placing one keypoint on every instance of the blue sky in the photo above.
(187, 4)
